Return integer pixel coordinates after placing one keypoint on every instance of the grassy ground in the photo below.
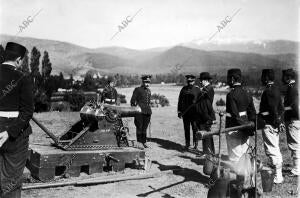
(167, 138)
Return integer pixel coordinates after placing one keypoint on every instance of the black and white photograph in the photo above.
(149, 98)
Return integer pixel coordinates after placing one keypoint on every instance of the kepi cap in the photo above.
(234, 72)
(269, 73)
(146, 78)
(190, 77)
(16, 49)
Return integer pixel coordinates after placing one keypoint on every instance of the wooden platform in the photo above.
(45, 161)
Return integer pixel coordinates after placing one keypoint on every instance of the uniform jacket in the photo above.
(204, 104)
(271, 103)
(16, 95)
(238, 100)
(187, 97)
(109, 93)
(291, 99)
(141, 97)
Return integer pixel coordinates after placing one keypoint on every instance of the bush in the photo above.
(60, 106)
(220, 102)
(122, 98)
(76, 100)
(157, 99)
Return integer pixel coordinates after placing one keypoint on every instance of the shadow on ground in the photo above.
(187, 173)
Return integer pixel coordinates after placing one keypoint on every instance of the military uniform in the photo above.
(16, 109)
(187, 98)
(271, 110)
(141, 97)
(291, 118)
(205, 112)
(240, 110)
(109, 95)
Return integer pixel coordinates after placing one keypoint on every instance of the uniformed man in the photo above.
(16, 109)
(205, 112)
(291, 118)
(141, 97)
(187, 110)
(271, 110)
(240, 110)
(109, 94)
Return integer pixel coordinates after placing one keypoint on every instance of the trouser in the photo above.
(237, 145)
(271, 145)
(141, 122)
(187, 122)
(207, 143)
(13, 156)
(293, 141)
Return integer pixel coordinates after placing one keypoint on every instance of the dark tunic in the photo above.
(16, 95)
(291, 99)
(187, 97)
(239, 100)
(271, 104)
(204, 106)
(141, 96)
(109, 93)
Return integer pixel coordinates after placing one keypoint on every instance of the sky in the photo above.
(157, 23)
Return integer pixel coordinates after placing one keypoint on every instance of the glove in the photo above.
(276, 123)
(179, 115)
(281, 128)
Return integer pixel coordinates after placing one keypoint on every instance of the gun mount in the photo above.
(98, 141)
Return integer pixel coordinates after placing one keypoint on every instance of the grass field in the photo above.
(165, 151)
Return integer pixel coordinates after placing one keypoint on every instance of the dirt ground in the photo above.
(165, 151)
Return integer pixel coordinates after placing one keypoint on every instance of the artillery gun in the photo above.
(96, 143)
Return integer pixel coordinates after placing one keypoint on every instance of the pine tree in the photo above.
(24, 66)
(46, 66)
(34, 65)
(1, 54)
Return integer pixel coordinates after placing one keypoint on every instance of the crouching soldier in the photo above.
(271, 110)
(109, 94)
(291, 118)
(16, 109)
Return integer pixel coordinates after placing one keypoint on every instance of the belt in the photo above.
(265, 113)
(243, 113)
(109, 100)
(9, 114)
(287, 108)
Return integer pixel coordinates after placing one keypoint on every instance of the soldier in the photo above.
(141, 96)
(16, 109)
(291, 118)
(271, 110)
(205, 112)
(240, 109)
(109, 94)
(186, 109)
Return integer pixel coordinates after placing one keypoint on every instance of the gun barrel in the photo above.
(51, 135)
(204, 134)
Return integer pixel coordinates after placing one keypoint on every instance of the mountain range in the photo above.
(192, 57)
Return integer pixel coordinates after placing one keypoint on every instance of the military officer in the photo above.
(109, 94)
(240, 109)
(16, 109)
(187, 110)
(291, 118)
(205, 112)
(141, 97)
(271, 110)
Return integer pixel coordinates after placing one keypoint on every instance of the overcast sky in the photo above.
(92, 23)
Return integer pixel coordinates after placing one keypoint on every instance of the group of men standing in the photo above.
(196, 110)
(195, 107)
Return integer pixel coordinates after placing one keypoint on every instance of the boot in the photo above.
(278, 179)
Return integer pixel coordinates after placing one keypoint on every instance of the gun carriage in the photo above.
(97, 142)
